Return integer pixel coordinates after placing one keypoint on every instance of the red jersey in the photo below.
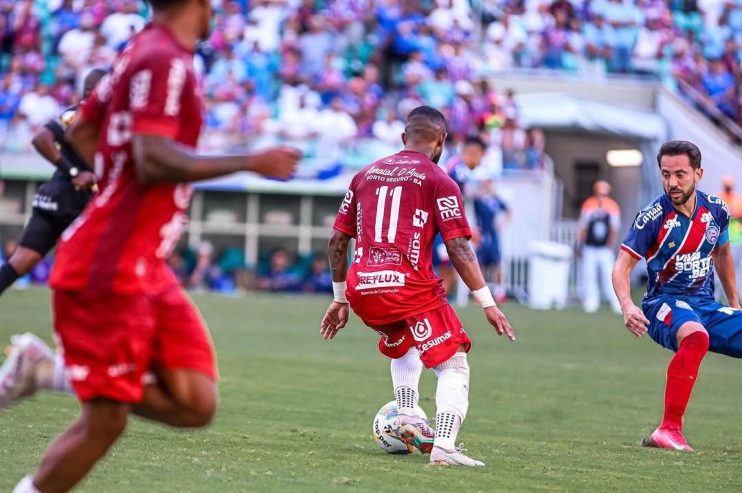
(121, 242)
(394, 209)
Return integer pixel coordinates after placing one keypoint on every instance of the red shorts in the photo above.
(437, 334)
(109, 342)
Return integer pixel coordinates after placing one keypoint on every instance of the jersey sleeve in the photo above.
(639, 240)
(93, 108)
(723, 220)
(155, 94)
(449, 211)
(345, 221)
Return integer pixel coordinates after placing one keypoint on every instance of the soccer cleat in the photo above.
(415, 431)
(17, 375)
(456, 457)
(670, 438)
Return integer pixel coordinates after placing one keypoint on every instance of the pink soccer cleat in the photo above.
(670, 438)
(414, 430)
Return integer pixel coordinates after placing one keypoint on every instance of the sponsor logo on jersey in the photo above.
(380, 279)
(713, 199)
(358, 255)
(345, 206)
(384, 256)
(398, 173)
(421, 330)
(672, 223)
(646, 217)
(449, 208)
(414, 250)
(706, 217)
(694, 263)
(420, 218)
(671, 244)
(45, 203)
(121, 369)
(712, 234)
(728, 310)
(435, 342)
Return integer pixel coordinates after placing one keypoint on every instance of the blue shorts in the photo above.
(440, 254)
(488, 252)
(668, 313)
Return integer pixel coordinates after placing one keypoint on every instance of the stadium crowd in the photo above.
(289, 69)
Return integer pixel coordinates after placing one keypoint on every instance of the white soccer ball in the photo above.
(384, 426)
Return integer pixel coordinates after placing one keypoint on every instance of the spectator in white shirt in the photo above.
(38, 106)
(76, 45)
(119, 26)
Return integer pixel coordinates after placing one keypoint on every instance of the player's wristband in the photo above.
(338, 290)
(64, 166)
(484, 297)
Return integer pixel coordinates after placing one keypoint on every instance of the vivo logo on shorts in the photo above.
(449, 208)
(380, 279)
(438, 340)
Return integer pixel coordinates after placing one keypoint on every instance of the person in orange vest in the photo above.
(600, 218)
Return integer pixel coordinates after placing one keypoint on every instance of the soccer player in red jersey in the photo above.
(394, 209)
(118, 310)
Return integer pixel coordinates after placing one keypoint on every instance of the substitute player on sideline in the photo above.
(394, 209)
(59, 201)
(682, 235)
(118, 310)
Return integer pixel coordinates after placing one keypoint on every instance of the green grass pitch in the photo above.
(562, 409)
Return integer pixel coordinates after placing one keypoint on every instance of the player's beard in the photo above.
(437, 155)
(684, 197)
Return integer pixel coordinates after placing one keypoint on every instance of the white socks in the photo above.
(451, 399)
(25, 485)
(54, 376)
(406, 373)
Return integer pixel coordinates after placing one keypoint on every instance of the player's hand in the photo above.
(85, 180)
(334, 320)
(275, 162)
(500, 322)
(635, 321)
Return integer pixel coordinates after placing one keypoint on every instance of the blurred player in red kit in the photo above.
(118, 309)
(394, 209)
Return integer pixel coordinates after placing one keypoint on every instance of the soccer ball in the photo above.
(384, 426)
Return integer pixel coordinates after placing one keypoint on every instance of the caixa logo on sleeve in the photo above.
(380, 279)
(449, 208)
(345, 206)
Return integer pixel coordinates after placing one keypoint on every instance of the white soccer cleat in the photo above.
(456, 457)
(17, 375)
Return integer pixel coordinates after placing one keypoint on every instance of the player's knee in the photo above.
(203, 411)
(456, 364)
(105, 422)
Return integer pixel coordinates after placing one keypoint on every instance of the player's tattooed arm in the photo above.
(337, 253)
(337, 313)
(724, 264)
(465, 261)
(163, 160)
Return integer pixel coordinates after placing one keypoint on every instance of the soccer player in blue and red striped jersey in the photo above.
(683, 236)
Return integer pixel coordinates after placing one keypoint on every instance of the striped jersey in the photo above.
(678, 248)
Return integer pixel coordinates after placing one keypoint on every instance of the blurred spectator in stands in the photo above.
(27, 27)
(534, 149)
(119, 26)
(10, 99)
(76, 45)
(7, 32)
(720, 85)
(278, 276)
(462, 113)
(264, 21)
(555, 41)
(388, 129)
(512, 141)
(600, 219)
(319, 278)
(179, 266)
(625, 19)
(314, 45)
(438, 91)
(66, 18)
(204, 273)
(600, 39)
(38, 106)
(650, 45)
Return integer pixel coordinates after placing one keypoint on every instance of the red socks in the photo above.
(681, 375)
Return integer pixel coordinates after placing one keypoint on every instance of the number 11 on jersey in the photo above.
(396, 195)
